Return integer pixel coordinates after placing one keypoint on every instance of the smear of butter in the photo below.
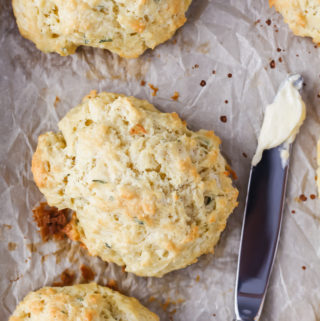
(282, 119)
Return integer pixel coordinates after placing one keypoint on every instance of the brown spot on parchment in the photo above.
(51, 221)
(87, 273)
(56, 102)
(12, 246)
(175, 96)
(32, 247)
(17, 278)
(204, 48)
(303, 198)
(67, 278)
(168, 304)
(272, 64)
(112, 284)
(154, 89)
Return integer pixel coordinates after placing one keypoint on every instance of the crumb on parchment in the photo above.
(155, 89)
(51, 221)
(175, 96)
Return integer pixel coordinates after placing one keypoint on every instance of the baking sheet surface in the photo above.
(228, 44)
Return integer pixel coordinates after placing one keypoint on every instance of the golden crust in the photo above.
(148, 193)
(127, 28)
(302, 16)
(80, 302)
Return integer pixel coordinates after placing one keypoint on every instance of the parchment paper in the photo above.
(224, 36)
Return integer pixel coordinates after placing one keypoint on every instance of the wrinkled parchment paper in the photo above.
(221, 37)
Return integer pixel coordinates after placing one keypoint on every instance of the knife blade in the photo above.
(260, 231)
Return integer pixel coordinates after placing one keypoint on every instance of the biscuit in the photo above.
(148, 193)
(302, 16)
(127, 28)
(80, 302)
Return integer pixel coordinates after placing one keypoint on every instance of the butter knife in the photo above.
(260, 231)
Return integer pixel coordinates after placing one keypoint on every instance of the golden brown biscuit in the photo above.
(127, 28)
(148, 193)
(82, 302)
(302, 16)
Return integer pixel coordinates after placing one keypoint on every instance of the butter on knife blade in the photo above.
(282, 119)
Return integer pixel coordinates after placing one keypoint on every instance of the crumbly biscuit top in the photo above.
(302, 16)
(148, 193)
(127, 28)
(83, 302)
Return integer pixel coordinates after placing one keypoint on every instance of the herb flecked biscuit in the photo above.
(302, 16)
(125, 27)
(83, 302)
(148, 193)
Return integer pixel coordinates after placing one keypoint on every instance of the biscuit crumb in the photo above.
(112, 284)
(312, 196)
(155, 89)
(175, 96)
(151, 299)
(56, 102)
(165, 305)
(51, 221)
(142, 83)
(32, 247)
(92, 94)
(86, 273)
(197, 278)
(231, 172)
(12, 246)
(67, 278)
